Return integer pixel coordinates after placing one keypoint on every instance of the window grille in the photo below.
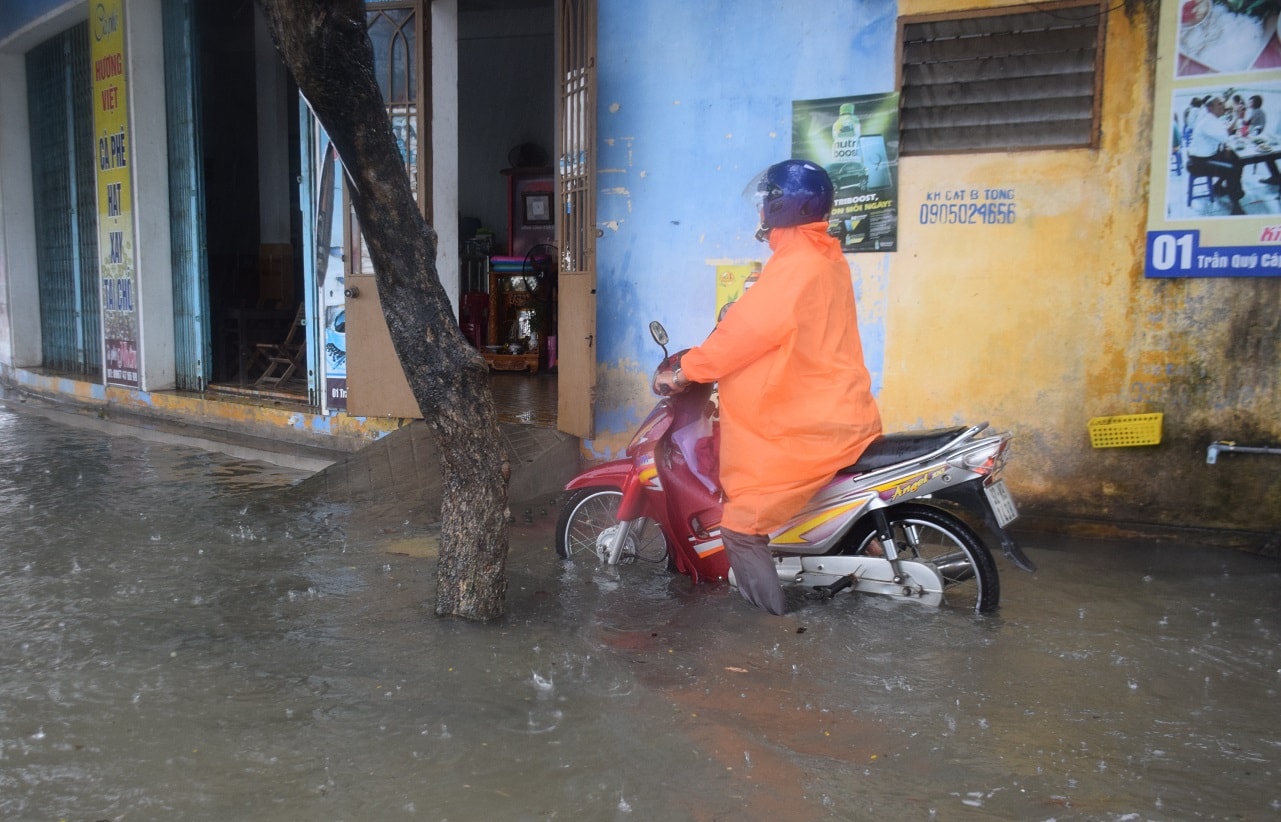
(59, 100)
(1001, 79)
(398, 31)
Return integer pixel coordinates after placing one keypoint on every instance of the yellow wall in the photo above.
(1042, 324)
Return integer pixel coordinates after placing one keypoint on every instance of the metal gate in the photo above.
(66, 203)
(193, 354)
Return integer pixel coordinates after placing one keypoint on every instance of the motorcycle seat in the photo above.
(888, 449)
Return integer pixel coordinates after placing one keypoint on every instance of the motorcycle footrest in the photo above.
(829, 591)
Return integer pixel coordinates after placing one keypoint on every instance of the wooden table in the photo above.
(513, 362)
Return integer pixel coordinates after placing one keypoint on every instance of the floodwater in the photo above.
(184, 636)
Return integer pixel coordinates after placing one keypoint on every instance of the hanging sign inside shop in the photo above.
(1214, 206)
(115, 194)
(856, 140)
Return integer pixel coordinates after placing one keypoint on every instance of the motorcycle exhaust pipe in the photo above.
(954, 567)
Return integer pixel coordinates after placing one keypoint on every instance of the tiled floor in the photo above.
(525, 399)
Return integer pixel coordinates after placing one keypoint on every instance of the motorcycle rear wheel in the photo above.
(589, 512)
(923, 533)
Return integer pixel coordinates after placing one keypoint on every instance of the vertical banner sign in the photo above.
(115, 195)
(1214, 206)
(856, 140)
(330, 274)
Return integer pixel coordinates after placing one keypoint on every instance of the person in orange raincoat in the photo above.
(796, 401)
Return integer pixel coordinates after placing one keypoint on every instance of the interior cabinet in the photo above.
(517, 314)
(522, 284)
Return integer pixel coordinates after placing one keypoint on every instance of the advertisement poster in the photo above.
(1215, 195)
(115, 194)
(732, 281)
(856, 140)
(330, 273)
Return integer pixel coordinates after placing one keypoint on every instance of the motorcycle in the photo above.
(888, 524)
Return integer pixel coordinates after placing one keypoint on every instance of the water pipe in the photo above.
(1212, 455)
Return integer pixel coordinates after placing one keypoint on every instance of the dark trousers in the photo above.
(1221, 167)
(755, 572)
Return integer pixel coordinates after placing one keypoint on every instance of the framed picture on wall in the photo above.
(538, 207)
(531, 209)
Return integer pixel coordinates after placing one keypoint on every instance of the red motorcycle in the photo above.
(889, 524)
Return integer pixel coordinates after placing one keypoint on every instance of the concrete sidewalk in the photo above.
(397, 474)
(402, 470)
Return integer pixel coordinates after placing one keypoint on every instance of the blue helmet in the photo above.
(794, 192)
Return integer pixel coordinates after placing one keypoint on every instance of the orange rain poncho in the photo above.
(796, 403)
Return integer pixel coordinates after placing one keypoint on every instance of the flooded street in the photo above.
(185, 636)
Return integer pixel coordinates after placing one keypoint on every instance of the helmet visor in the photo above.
(757, 190)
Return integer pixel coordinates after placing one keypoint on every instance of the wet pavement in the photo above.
(184, 635)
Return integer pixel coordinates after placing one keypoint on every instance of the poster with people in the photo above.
(1215, 196)
(856, 140)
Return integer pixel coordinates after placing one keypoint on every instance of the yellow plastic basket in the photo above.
(1126, 429)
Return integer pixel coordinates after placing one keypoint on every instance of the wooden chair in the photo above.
(284, 358)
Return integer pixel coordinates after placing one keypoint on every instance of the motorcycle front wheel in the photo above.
(929, 535)
(592, 513)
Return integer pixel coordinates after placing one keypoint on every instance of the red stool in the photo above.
(473, 316)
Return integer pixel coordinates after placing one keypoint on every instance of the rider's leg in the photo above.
(754, 570)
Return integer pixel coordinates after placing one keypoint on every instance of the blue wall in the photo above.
(694, 100)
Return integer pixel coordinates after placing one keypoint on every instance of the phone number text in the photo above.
(967, 213)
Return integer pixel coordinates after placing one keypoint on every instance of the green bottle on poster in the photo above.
(845, 133)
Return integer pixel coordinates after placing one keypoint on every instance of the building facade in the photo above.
(999, 226)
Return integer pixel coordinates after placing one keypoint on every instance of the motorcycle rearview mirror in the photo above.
(659, 334)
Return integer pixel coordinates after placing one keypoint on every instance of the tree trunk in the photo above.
(326, 46)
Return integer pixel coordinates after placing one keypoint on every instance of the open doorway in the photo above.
(509, 271)
(234, 153)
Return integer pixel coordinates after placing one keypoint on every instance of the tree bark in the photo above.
(326, 45)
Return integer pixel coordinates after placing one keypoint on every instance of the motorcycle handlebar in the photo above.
(667, 366)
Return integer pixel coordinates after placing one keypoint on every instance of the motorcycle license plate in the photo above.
(1002, 503)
